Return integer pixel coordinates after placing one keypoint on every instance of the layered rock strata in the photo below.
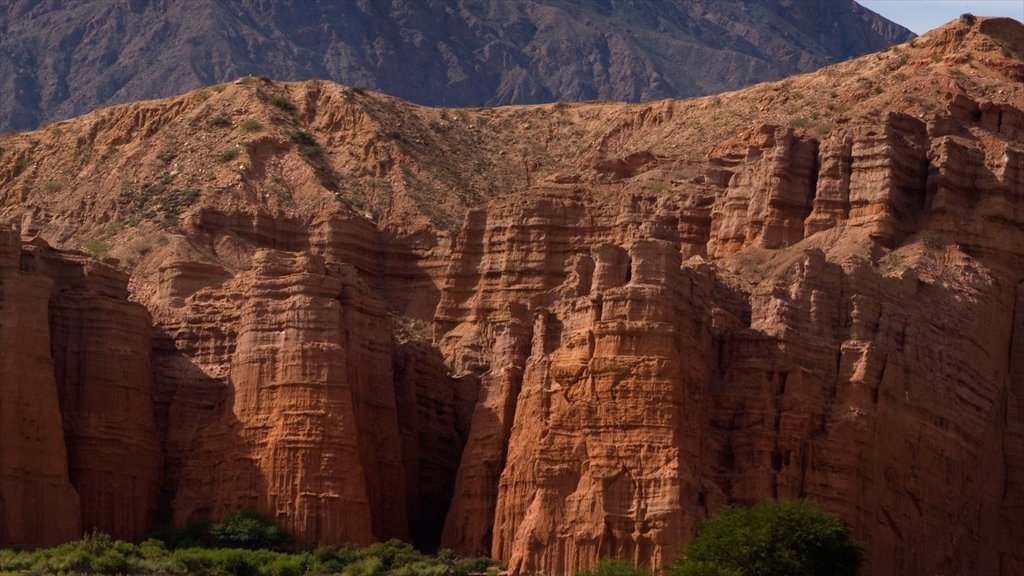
(76, 400)
(646, 313)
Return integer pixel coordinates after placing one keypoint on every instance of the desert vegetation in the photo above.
(243, 544)
(777, 538)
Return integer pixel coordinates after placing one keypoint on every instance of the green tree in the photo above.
(778, 538)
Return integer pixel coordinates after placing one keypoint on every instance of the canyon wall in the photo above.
(827, 319)
(76, 400)
(847, 346)
(548, 335)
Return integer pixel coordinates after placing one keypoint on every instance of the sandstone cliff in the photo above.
(548, 334)
(76, 400)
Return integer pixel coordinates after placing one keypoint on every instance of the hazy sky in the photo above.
(923, 15)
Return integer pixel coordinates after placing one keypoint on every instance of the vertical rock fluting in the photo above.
(77, 383)
(286, 388)
(101, 349)
(769, 195)
(605, 445)
(307, 431)
(821, 369)
(38, 505)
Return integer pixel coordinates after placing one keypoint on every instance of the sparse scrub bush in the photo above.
(307, 143)
(20, 165)
(219, 121)
(251, 125)
(282, 102)
(968, 19)
(800, 122)
(97, 248)
(227, 155)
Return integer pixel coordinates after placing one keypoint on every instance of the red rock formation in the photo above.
(643, 396)
(83, 451)
(38, 505)
(649, 312)
(304, 430)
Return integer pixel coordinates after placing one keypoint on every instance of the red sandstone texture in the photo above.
(547, 334)
(79, 443)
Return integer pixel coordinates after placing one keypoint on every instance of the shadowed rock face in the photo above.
(548, 334)
(79, 439)
(63, 59)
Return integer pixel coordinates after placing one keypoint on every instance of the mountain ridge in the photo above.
(62, 59)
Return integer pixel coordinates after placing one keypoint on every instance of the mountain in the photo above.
(61, 59)
(547, 333)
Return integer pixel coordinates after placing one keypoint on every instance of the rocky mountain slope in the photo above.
(61, 59)
(547, 333)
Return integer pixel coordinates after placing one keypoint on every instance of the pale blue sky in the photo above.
(921, 16)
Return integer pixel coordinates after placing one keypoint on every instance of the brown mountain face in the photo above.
(546, 333)
(60, 59)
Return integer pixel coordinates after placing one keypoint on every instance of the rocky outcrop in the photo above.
(626, 394)
(300, 412)
(33, 451)
(81, 450)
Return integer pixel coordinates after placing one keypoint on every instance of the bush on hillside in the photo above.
(778, 538)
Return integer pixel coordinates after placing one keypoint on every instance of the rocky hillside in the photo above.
(547, 333)
(61, 59)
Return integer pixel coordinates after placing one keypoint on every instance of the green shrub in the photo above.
(15, 561)
(227, 155)
(111, 562)
(614, 567)
(698, 568)
(97, 553)
(282, 102)
(238, 562)
(97, 248)
(365, 566)
(249, 529)
(219, 121)
(195, 534)
(467, 566)
(307, 143)
(20, 165)
(333, 559)
(286, 565)
(778, 538)
(394, 552)
(251, 125)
